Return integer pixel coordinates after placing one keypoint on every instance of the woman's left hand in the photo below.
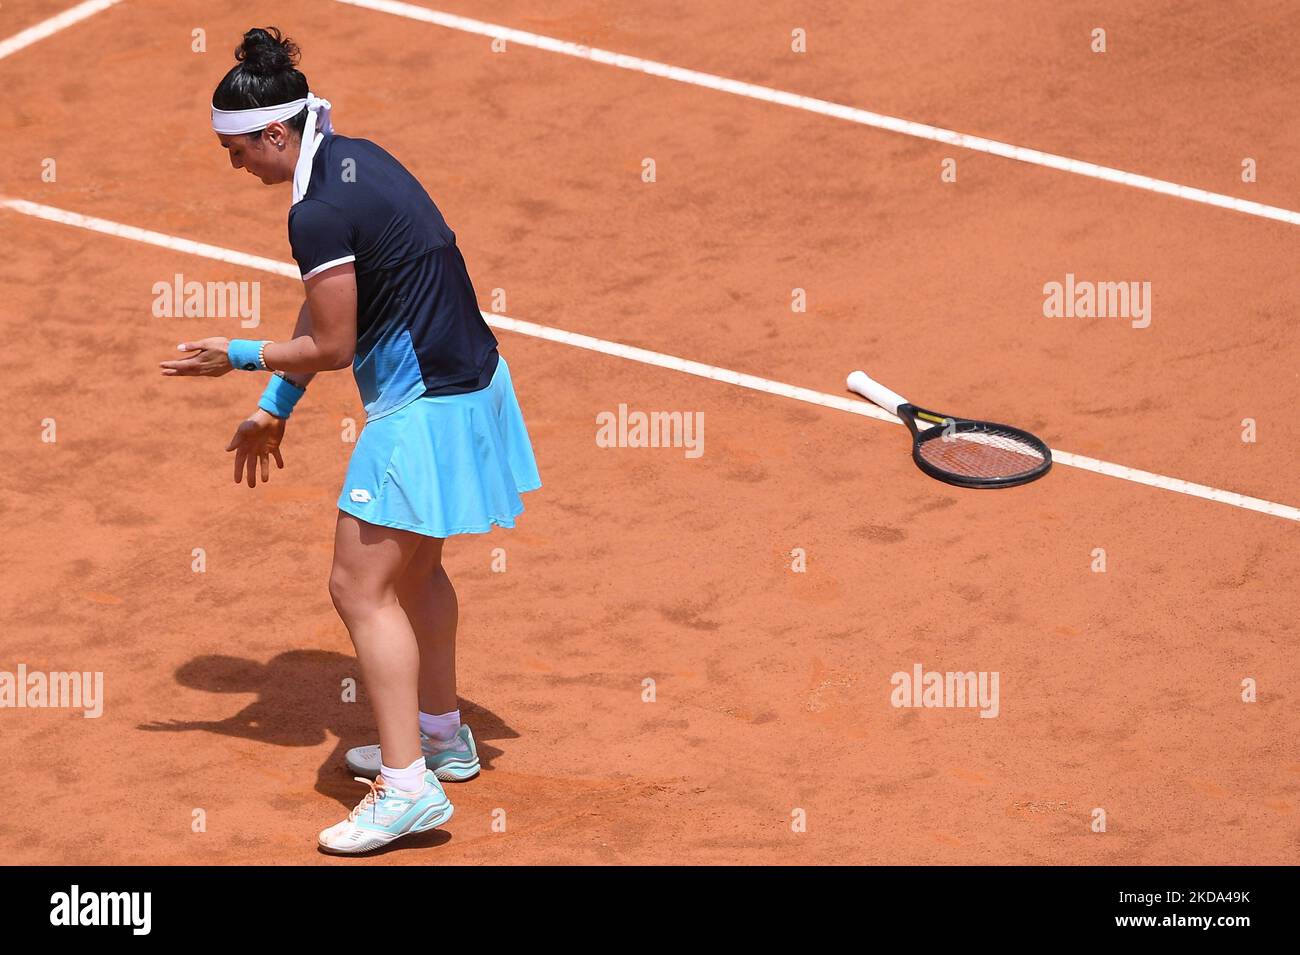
(211, 360)
(256, 441)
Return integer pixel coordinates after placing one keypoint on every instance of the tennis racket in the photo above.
(962, 451)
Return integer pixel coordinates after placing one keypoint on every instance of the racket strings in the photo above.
(987, 453)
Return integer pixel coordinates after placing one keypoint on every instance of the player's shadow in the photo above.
(300, 700)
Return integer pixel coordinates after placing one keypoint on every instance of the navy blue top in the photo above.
(419, 329)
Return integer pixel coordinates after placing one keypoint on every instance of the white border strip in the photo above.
(53, 25)
(647, 357)
(328, 265)
(150, 238)
(825, 108)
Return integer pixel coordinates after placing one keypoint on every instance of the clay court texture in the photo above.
(681, 657)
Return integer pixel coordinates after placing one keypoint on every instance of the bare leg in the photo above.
(368, 562)
(427, 596)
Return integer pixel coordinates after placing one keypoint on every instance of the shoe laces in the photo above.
(371, 799)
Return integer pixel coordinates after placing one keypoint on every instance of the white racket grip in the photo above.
(873, 390)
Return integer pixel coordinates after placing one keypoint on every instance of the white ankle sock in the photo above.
(443, 726)
(409, 780)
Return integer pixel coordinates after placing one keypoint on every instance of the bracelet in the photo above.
(280, 396)
(246, 355)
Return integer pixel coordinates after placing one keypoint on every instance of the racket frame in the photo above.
(909, 413)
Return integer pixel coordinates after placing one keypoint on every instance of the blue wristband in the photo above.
(280, 397)
(245, 355)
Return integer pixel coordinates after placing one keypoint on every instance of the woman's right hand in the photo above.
(256, 441)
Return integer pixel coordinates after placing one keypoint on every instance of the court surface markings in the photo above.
(647, 357)
(823, 107)
(46, 28)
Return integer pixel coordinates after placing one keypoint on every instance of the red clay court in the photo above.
(1120, 691)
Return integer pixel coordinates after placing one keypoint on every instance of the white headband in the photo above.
(231, 122)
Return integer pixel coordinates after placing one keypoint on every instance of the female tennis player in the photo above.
(444, 450)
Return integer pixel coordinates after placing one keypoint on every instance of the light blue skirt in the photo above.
(444, 465)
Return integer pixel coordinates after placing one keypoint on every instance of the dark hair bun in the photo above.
(266, 52)
(265, 75)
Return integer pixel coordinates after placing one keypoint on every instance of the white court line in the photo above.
(647, 357)
(149, 237)
(825, 108)
(53, 25)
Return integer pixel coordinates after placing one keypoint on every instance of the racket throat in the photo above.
(910, 413)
